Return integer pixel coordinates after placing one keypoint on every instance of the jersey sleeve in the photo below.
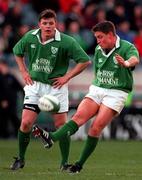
(95, 61)
(132, 51)
(19, 48)
(77, 53)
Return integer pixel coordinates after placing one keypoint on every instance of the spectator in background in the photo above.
(74, 11)
(4, 5)
(66, 6)
(14, 16)
(100, 15)
(73, 29)
(88, 14)
(18, 34)
(5, 37)
(118, 14)
(11, 88)
(123, 31)
(138, 41)
(108, 5)
(6, 43)
(137, 19)
(29, 16)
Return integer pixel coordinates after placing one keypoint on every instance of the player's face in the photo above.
(104, 40)
(47, 27)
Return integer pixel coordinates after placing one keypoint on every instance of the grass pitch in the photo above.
(112, 160)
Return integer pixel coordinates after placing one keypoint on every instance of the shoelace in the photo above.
(45, 134)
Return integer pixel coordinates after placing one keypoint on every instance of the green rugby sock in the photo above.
(67, 130)
(89, 147)
(24, 139)
(64, 145)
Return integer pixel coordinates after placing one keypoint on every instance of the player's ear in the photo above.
(56, 23)
(110, 34)
(39, 24)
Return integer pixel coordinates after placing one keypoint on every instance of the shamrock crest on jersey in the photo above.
(115, 62)
(54, 50)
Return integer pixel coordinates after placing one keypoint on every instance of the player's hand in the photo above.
(27, 78)
(121, 61)
(59, 82)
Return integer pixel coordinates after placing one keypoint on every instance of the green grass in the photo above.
(113, 160)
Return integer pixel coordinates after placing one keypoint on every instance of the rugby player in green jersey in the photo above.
(48, 52)
(113, 61)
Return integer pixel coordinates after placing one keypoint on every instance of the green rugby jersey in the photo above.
(108, 73)
(49, 59)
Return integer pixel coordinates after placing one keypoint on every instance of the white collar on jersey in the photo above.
(57, 36)
(117, 45)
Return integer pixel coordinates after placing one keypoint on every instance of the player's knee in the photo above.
(79, 118)
(26, 126)
(59, 123)
(95, 130)
(77, 115)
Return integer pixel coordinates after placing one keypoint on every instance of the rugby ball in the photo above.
(49, 103)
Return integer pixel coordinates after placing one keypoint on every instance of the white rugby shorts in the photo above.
(112, 98)
(38, 89)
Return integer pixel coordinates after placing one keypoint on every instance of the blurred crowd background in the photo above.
(75, 18)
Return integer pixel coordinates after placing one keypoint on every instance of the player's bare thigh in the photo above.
(86, 110)
(103, 118)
